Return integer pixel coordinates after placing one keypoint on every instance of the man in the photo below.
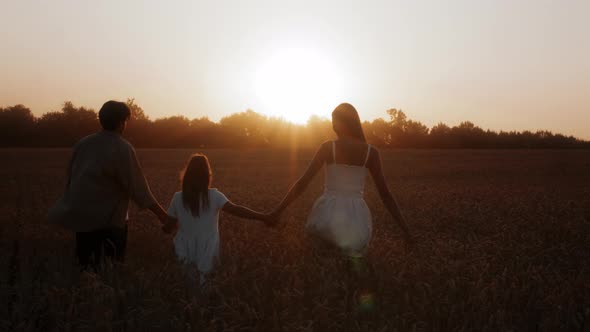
(103, 176)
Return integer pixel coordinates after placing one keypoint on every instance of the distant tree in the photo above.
(378, 132)
(19, 127)
(139, 129)
(172, 131)
(397, 117)
(16, 125)
(416, 134)
(467, 135)
(202, 123)
(67, 126)
(397, 123)
(205, 133)
(439, 136)
(137, 112)
(245, 128)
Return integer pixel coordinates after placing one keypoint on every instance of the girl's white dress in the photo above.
(197, 239)
(341, 215)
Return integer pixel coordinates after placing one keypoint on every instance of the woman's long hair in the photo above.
(196, 179)
(347, 115)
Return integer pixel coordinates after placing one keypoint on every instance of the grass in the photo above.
(502, 246)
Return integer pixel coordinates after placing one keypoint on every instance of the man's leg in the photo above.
(115, 243)
(88, 248)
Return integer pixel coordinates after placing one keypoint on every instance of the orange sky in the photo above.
(501, 64)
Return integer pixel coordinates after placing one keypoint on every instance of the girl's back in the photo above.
(208, 216)
(196, 209)
(197, 239)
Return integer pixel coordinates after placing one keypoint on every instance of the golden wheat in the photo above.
(502, 245)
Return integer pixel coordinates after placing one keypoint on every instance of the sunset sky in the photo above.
(500, 64)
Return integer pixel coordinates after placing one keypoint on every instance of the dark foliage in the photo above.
(20, 128)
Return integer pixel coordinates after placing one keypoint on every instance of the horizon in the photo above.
(502, 66)
(301, 124)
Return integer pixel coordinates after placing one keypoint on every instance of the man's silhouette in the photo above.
(103, 176)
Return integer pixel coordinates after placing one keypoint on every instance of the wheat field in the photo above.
(502, 245)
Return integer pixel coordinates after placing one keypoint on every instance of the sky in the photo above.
(511, 65)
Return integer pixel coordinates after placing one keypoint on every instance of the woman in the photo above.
(341, 215)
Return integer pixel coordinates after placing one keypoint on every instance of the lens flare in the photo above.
(366, 301)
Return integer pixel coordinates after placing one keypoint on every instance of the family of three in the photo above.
(104, 175)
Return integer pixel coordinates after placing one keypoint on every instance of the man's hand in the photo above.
(160, 213)
(169, 225)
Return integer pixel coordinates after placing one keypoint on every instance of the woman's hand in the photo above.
(272, 218)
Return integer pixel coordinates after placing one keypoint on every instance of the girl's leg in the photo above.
(191, 277)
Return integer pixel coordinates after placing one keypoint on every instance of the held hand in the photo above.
(163, 217)
(170, 225)
(272, 218)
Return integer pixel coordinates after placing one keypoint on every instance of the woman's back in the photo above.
(349, 152)
(341, 215)
(346, 173)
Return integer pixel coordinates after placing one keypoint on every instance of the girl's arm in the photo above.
(376, 169)
(316, 164)
(243, 212)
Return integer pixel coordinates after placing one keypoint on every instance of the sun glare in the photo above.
(295, 83)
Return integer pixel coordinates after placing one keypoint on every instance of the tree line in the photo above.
(19, 127)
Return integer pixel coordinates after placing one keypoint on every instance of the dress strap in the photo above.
(368, 153)
(334, 151)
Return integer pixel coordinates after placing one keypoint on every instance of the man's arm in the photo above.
(70, 165)
(136, 184)
(159, 211)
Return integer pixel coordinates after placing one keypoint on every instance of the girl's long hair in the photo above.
(196, 179)
(347, 114)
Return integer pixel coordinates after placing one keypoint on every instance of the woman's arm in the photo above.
(243, 212)
(376, 169)
(316, 164)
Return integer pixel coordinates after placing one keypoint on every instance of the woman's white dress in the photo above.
(341, 215)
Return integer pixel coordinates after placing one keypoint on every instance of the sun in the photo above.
(295, 83)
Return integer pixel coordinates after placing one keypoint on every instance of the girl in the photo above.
(197, 208)
(341, 216)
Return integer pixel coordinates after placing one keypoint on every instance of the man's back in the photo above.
(103, 175)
